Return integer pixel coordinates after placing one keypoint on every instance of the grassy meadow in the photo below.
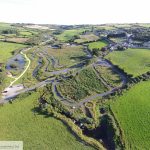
(84, 84)
(69, 34)
(25, 33)
(19, 122)
(97, 45)
(132, 61)
(86, 38)
(6, 50)
(132, 111)
(67, 56)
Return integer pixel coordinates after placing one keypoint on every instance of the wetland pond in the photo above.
(17, 62)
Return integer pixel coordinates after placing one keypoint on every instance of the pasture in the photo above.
(132, 111)
(25, 33)
(69, 34)
(86, 38)
(132, 61)
(7, 49)
(97, 45)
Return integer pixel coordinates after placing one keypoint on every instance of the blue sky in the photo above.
(75, 11)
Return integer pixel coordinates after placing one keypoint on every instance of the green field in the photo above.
(132, 110)
(97, 45)
(25, 33)
(4, 26)
(67, 56)
(69, 34)
(82, 85)
(6, 50)
(18, 122)
(132, 61)
(86, 38)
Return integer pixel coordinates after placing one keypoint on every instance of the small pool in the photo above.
(16, 63)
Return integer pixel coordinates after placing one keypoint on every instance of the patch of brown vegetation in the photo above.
(18, 40)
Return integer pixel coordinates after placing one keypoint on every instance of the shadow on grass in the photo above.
(39, 111)
(79, 58)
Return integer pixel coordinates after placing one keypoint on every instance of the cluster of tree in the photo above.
(142, 36)
(57, 32)
(143, 77)
(116, 35)
(74, 38)
(9, 31)
(47, 98)
(121, 48)
(34, 40)
(96, 51)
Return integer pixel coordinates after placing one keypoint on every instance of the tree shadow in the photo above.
(38, 111)
(79, 58)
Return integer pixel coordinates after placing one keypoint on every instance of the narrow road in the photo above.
(40, 84)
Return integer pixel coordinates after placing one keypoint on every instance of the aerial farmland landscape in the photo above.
(73, 85)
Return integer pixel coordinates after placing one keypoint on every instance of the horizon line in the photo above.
(113, 23)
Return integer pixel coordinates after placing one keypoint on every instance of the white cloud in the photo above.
(75, 11)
